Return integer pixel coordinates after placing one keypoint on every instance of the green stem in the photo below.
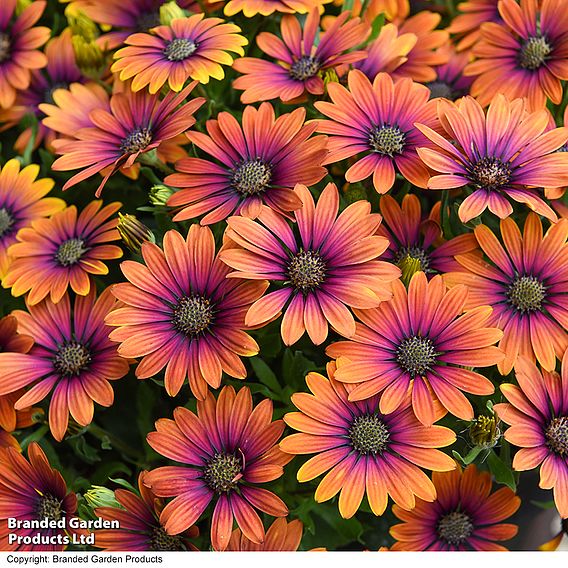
(151, 159)
(102, 435)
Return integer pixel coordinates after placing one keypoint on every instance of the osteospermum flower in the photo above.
(450, 81)
(19, 43)
(182, 313)
(411, 236)
(467, 24)
(228, 449)
(22, 201)
(377, 119)
(189, 47)
(331, 264)
(60, 72)
(30, 489)
(251, 8)
(537, 411)
(301, 62)
(140, 528)
(257, 163)
(135, 123)
(419, 343)
(526, 282)
(365, 451)
(464, 516)
(72, 357)
(525, 56)
(63, 251)
(502, 154)
(281, 536)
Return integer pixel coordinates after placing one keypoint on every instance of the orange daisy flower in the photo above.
(19, 43)
(420, 343)
(189, 47)
(377, 119)
(22, 201)
(526, 282)
(63, 251)
(281, 536)
(502, 153)
(366, 451)
(227, 450)
(537, 411)
(525, 56)
(467, 24)
(464, 516)
(181, 312)
(251, 8)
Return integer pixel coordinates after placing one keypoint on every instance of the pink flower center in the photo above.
(416, 355)
(6, 221)
(304, 68)
(368, 434)
(490, 173)
(49, 507)
(193, 315)
(534, 52)
(221, 471)
(306, 270)
(557, 435)
(179, 49)
(4, 47)
(455, 527)
(526, 294)
(71, 358)
(70, 251)
(162, 541)
(387, 139)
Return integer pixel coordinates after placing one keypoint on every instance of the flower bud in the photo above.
(484, 431)
(98, 496)
(133, 233)
(409, 266)
(170, 11)
(159, 194)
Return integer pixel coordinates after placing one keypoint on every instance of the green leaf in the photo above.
(124, 483)
(500, 470)
(543, 504)
(295, 367)
(265, 374)
(469, 457)
(84, 450)
(376, 27)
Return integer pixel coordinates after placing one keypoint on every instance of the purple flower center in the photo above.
(179, 49)
(6, 221)
(71, 358)
(4, 47)
(251, 177)
(136, 141)
(49, 507)
(490, 173)
(455, 527)
(220, 472)
(304, 68)
(440, 89)
(557, 435)
(160, 540)
(387, 139)
(416, 355)
(306, 270)
(368, 434)
(70, 251)
(534, 52)
(413, 252)
(526, 294)
(193, 315)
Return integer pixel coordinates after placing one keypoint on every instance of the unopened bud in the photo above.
(170, 11)
(159, 194)
(89, 56)
(484, 431)
(98, 496)
(81, 25)
(409, 266)
(133, 233)
(329, 76)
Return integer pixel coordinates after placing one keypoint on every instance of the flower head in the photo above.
(330, 264)
(258, 163)
(464, 516)
(301, 62)
(525, 55)
(502, 154)
(63, 251)
(419, 343)
(140, 526)
(19, 43)
(377, 120)
(526, 282)
(410, 235)
(537, 410)
(189, 47)
(281, 536)
(30, 489)
(227, 449)
(365, 450)
(181, 312)
(22, 201)
(72, 357)
(134, 124)
(251, 8)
